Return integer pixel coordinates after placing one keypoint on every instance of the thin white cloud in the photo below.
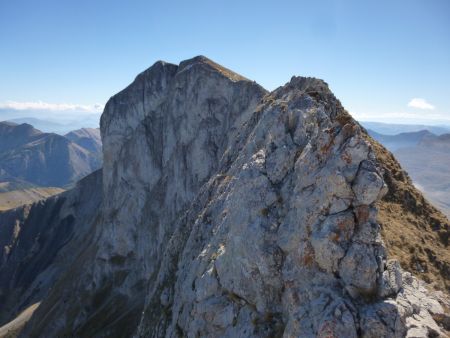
(45, 106)
(420, 104)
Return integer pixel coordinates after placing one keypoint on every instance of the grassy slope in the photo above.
(415, 232)
(13, 328)
(15, 198)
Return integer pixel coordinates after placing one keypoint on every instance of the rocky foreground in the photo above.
(226, 211)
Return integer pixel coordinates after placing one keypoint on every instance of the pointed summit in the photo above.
(201, 60)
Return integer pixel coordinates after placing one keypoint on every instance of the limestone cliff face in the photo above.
(164, 137)
(232, 212)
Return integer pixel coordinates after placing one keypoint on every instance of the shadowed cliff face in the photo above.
(39, 242)
(230, 211)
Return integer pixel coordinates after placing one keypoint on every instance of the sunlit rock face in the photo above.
(229, 211)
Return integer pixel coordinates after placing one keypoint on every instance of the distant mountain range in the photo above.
(58, 126)
(394, 129)
(88, 138)
(402, 140)
(31, 158)
(426, 158)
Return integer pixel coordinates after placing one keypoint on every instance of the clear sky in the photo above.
(385, 60)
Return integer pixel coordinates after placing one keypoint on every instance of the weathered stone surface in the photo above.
(392, 280)
(232, 212)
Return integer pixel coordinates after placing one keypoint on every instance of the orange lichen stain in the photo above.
(308, 257)
(335, 236)
(327, 330)
(362, 214)
(346, 157)
(326, 148)
(308, 260)
(342, 225)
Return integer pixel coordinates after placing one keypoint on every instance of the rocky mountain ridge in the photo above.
(88, 138)
(230, 211)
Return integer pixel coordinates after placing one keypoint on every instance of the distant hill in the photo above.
(29, 157)
(13, 135)
(59, 126)
(428, 164)
(88, 138)
(402, 140)
(43, 125)
(426, 158)
(394, 129)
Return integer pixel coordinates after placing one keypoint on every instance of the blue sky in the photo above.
(58, 57)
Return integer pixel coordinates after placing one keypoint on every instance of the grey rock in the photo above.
(391, 279)
(331, 242)
(359, 268)
(368, 186)
(232, 212)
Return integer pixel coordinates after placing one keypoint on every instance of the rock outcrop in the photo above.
(229, 211)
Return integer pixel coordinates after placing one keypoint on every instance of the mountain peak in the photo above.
(201, 60)
(309, 84)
